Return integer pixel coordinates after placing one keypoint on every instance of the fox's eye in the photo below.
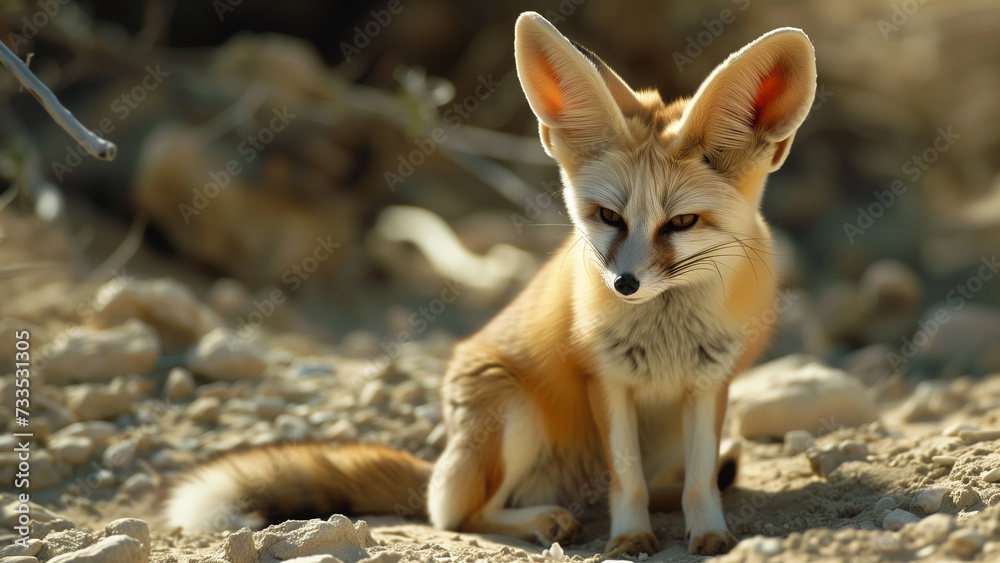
(611, 218)
(681, 222)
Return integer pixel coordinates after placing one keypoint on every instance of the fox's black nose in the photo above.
(626, 284)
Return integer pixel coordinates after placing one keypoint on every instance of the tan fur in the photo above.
(581, 397)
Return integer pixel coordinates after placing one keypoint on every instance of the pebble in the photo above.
(930, 500)
(205, 410)
(767, 546)
(934, 528)
(131, 527)
(966, 542)
(99, 432)
(372, 394)
(120, 455)
(885, 503)
(933, 398)
(91, 355)
(113, 549)
(828, 458)
(229, 297)
(992, 476)
(268, 408)
(945, 460)
(20, 559)
(341, 431)
(798, 441)
(979, 435)
(895, 520)
(954, 429)
(137, 484)
(180, 384)
(96, 402)
(888, 543)
(223, 355)
(71, 450)
(797, 393)
(30, 548)
(165, 303)
(44, 473)
(291, 427)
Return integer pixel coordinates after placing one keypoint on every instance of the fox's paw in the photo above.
(557, 525)
(712, 543)
(632, 544)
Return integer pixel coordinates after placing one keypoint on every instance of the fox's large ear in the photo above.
(751, 105)
(577, 112)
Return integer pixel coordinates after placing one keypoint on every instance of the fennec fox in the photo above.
(606, 380)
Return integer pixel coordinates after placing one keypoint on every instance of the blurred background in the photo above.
(334, 168)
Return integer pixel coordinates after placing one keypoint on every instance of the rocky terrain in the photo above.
(153, 380)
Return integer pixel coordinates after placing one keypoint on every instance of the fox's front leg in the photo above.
(703, 413)
(631, 532)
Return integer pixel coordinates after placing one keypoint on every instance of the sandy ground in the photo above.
(779, 508)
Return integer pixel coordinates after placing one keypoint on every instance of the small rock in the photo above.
(20, 559)
(888, 543)
(120, 455)
(341, 431)
(71, 450)
(933, 398)
(554, 552)
(113, 549)
(62, 537)
(268, 408)
(895, 520)
(165, 303)
(239, 546)
(945, 460)
(131, 527)
(767, 546)
(798, 441)
(885, 503)
(229, 297)
(979, 435)
(795, 393)
(96, 402)
(205, 410)
(86, 354)
(930, 500)
(291, 427)
(221, 354)
(954, 429)
(992, 476)
(99, 432)
(44, 473)
(30, 548)
(966, 542)
(180, 384)
(828, 458)
(372, 394)
(137, 484)
(935, 528)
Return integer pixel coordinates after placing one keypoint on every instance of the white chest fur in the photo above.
(673, 342)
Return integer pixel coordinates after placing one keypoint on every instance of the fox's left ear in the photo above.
(751, 105)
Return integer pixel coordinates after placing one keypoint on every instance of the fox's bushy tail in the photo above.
(271, 484)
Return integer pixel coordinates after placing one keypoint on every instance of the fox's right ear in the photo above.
(752, 104)
(577, 113)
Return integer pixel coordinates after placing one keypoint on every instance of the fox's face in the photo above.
(666, 194)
